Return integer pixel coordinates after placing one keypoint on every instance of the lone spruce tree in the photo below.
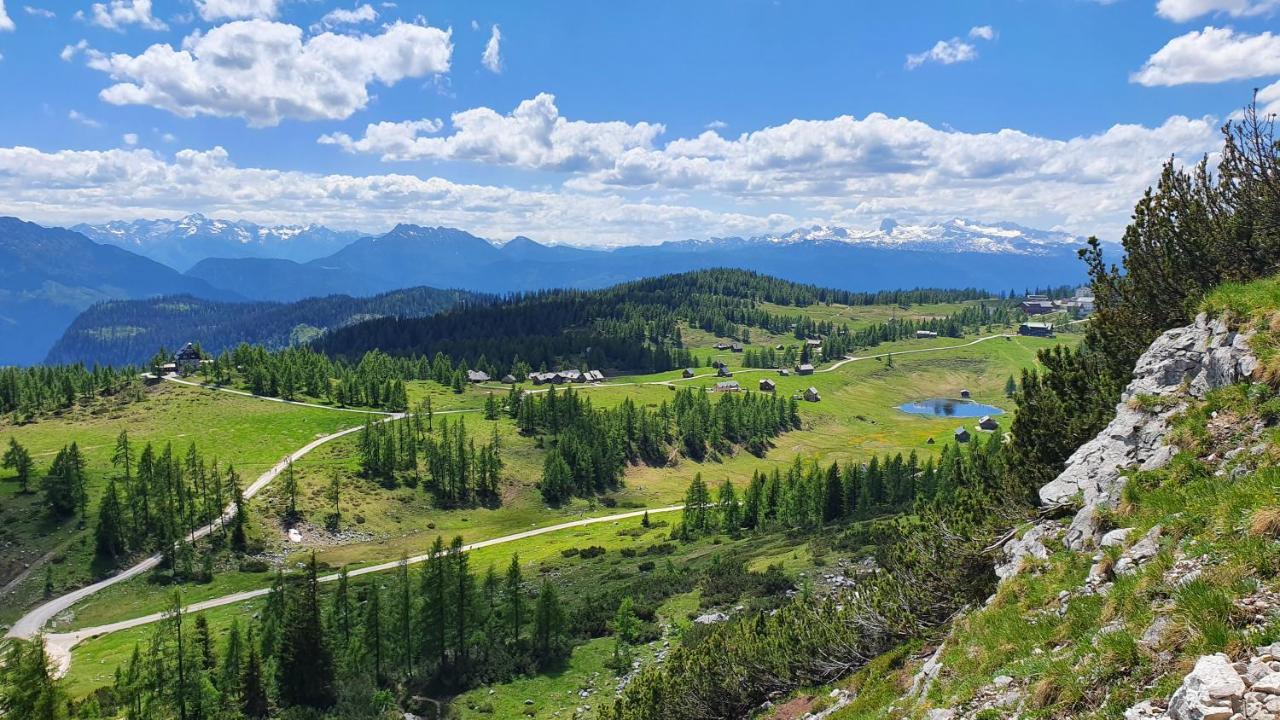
(304, 668)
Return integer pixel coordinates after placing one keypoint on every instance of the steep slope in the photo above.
(958, 253)
(184, 242)
(121, 332)
(1156, 596)
(49, 275)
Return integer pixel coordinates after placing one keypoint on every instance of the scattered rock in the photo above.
(1030, 545)
(1140, 552)
(1154, 633)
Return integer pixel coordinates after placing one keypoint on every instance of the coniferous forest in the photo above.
(1192, 232)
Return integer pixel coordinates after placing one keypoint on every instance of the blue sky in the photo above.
(612, 123)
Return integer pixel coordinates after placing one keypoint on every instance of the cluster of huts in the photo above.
(1041, 304)
(558, 377)
(766, 385)
(986, 422)
(561, 377)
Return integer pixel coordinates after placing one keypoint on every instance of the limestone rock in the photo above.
(1030, 545)
(1139, 553)
(1186, 361)
(1115, 537)
(1212, 691)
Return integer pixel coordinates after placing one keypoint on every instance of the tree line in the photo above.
(349, 653)
(590, 447)
(808, 496)
(27, 393)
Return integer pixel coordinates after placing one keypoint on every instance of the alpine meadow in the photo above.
(736, 360)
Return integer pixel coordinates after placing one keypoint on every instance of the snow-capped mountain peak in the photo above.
(183, 242)
(955, 235)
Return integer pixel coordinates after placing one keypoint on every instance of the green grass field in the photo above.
(857, 418)
(250, 433)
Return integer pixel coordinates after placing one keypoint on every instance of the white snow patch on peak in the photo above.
(954, 235)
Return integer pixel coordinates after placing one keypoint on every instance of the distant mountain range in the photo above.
(953, 236)
(957, 253)
(121, 332)
(182, 243)
(49, 275)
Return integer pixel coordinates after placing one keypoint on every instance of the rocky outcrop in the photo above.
(1181, 365)
(1030, 545)
(1218, 689)
(1185, 362)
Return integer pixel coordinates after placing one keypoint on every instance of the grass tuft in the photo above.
(1266, 522)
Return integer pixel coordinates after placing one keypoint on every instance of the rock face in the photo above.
(1218, 689)
(1184, 362)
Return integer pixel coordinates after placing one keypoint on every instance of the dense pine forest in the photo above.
(127, 332)
(590, 448)
(635, 326)
(154, 500)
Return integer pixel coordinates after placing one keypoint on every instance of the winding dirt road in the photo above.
(31, 624)
(59, 645)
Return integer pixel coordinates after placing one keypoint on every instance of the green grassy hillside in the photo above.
(252, 434)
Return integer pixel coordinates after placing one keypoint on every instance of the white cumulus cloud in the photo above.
(1184, 10)
(354, 16)
(74, 185)
(6, 23)
(130, 138)
(955, 50)
(491, 58)
(211, 10)
(946, 52)
(38, 12)
(534, 135)
(265, 72)
(1211, 55)
(840, 168)
(884, 164)
(115, 14)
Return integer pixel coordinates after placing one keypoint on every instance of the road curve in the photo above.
(59, 645)
(30, 625)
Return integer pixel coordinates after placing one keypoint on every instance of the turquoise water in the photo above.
(949, 407)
